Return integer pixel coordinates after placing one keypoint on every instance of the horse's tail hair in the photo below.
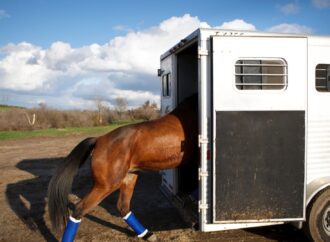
(60, 185)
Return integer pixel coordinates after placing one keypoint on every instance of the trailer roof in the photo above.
(206, 32)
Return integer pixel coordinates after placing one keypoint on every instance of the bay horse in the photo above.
(116, 158)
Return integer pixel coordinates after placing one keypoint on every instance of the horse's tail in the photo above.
(60, 185)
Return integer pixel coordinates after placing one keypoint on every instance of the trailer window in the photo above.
(166, 85)
(258, 74)
(322, 77)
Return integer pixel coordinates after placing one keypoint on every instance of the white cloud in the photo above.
(125, 66)
(122, 28)
(237, 24)
(3, 14)
(140, 51)
(290, 29)
(321, 3)
(20, 70)
(61, 69)
(289, 8)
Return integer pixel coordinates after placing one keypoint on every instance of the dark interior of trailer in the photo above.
(187, 79)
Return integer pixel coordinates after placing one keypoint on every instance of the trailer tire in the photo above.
(318, 218)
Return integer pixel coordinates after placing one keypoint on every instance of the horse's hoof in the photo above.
(150, 237)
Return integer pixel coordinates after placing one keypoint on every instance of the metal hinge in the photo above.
(202, 52)
(202, 206)
(202, 173)
(202, 140)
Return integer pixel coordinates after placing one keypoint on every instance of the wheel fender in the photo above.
(315, 186)
(312, 189)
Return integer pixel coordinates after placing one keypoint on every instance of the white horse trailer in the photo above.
(264, 127)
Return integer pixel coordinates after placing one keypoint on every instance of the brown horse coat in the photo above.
(117, 156)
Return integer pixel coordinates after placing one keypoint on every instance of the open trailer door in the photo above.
(259, 116)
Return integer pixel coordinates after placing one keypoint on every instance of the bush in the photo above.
(22, 119)
(13, 119)
(147, 111)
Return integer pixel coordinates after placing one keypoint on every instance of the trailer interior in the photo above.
(187, 85)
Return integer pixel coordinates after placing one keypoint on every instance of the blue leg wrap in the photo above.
(71, 230)
(138, 228)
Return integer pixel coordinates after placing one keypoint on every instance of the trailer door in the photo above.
(259, 115)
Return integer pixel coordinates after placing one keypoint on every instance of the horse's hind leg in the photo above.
(123, 205)
(126, 193)
(90, 201)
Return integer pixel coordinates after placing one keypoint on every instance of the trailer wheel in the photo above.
(318, 218)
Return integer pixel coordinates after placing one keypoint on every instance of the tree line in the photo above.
(43, 117)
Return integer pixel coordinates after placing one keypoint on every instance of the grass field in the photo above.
(60, 132)
(6, 107)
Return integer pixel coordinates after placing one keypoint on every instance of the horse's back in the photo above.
(157, 144)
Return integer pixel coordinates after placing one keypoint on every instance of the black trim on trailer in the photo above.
(259, 165)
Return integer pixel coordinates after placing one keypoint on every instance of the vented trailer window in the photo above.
(258, 74)
(322, 77)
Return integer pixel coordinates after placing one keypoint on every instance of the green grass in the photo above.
(6, 107)
(60, 132)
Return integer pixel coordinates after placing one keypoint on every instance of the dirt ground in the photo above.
(26, 166)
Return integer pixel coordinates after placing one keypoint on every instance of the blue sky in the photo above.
(66, 53)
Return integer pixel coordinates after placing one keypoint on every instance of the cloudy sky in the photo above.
(68, 53)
